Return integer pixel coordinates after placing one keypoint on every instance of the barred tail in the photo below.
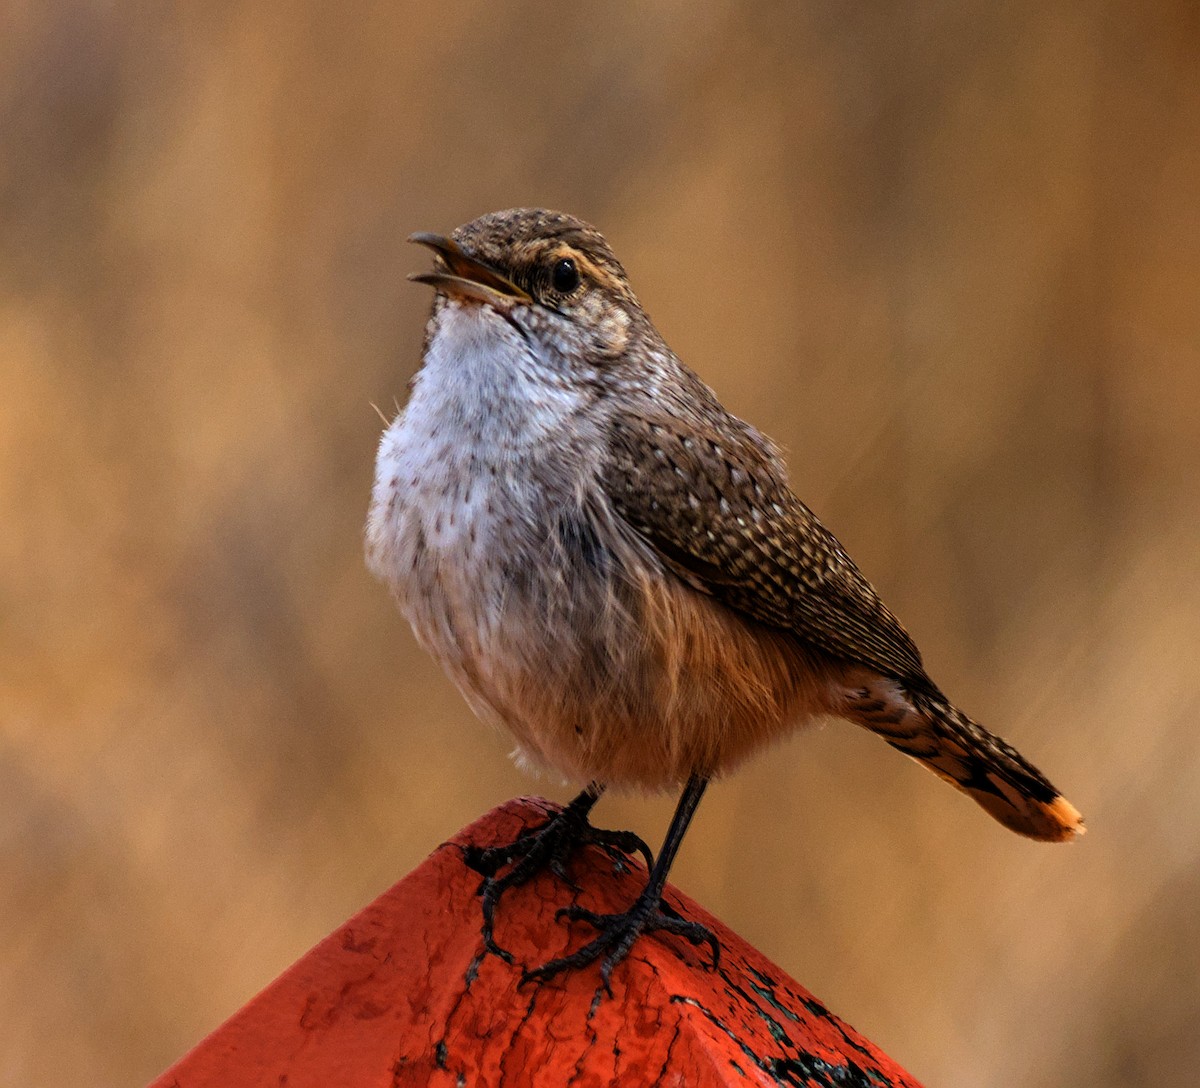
(985, 767)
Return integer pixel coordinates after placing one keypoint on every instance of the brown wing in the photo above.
(714, 504)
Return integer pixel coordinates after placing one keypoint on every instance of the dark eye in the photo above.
(564, 276)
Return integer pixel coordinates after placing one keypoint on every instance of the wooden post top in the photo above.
(402, 995)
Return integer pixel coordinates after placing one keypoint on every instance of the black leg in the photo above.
(618, 932)
(549, 846)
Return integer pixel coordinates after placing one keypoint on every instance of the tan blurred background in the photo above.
(947, 253)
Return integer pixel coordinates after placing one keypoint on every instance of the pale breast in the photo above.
(549, 613)
(469, 480)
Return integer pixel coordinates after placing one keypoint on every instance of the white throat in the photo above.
(488, 440)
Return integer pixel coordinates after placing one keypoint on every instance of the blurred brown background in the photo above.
(948, 254)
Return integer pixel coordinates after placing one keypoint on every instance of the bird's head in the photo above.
(551, 275)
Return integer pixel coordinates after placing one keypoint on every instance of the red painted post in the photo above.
(401, 995)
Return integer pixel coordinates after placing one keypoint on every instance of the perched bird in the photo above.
(614, 568)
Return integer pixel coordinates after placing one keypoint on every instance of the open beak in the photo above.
(465, 277)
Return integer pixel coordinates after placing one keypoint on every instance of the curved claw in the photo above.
(617, 935)
(697, 934)
(491, 892)
(547, 846)
(619, 845)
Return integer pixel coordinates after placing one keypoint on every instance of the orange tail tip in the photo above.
(1056, 820)
(1068, 819)
(934, 732)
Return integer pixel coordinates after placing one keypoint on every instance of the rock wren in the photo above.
(614, 568)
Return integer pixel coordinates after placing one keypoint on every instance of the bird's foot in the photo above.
(618, 933)
(549, 846)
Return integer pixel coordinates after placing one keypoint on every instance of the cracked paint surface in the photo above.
(402, 995)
